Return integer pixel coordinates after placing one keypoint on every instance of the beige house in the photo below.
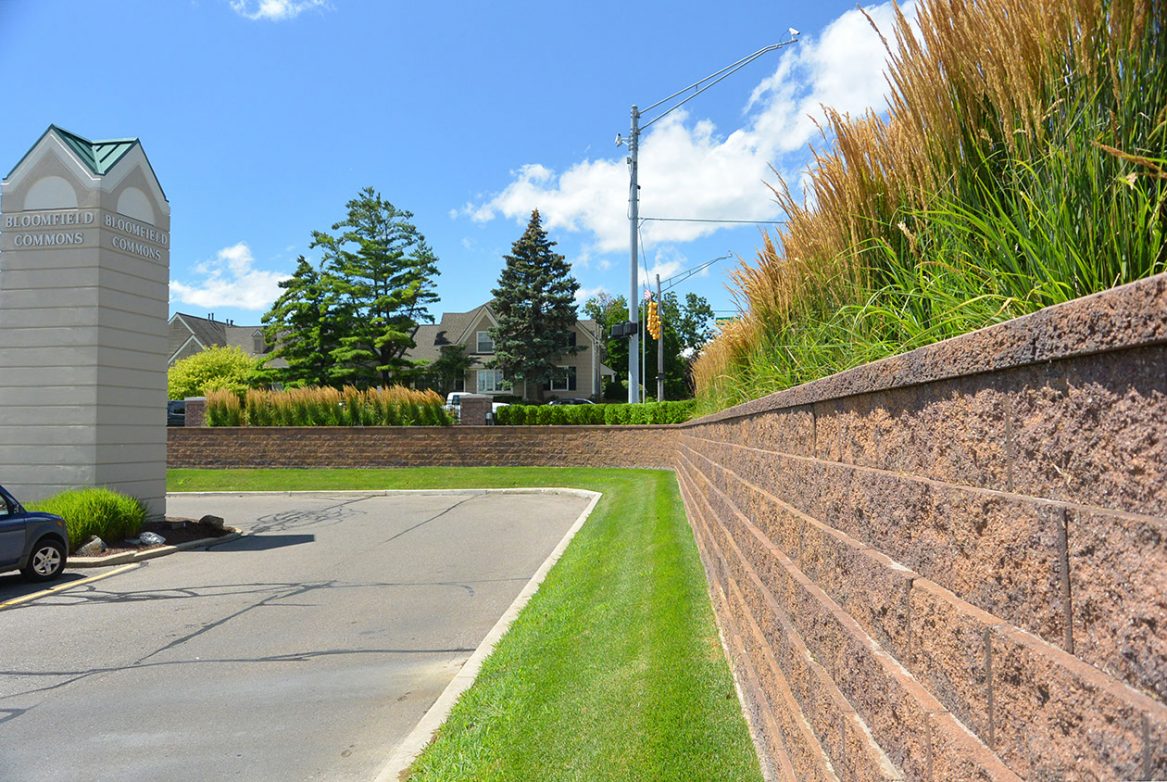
(190, 334)
(579, 375)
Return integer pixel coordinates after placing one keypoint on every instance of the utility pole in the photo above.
(696, 88)
(634, 226)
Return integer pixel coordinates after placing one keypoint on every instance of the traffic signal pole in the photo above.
(660, 344)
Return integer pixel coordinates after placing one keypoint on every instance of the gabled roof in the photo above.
(454, 329)
(204, 331)
(98, 156)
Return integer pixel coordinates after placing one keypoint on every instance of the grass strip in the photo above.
(613, 671)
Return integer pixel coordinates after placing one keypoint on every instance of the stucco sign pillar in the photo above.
(84, 276)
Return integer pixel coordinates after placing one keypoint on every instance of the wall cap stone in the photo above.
(1129, 316)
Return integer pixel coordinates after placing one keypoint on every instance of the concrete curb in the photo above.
(153, 553)
(423, 733)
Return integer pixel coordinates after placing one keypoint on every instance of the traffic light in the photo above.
(653, 320)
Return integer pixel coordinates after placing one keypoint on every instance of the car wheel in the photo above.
(46, 562)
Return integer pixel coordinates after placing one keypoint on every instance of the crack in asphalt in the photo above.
(94, 595)
(435, 517)
(294, 657)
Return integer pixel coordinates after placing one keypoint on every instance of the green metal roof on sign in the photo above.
(98, 156)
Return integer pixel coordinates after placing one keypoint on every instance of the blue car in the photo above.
(34, 543)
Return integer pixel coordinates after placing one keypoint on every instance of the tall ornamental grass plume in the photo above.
(110, 515)
(323, 406)
(1021, 163)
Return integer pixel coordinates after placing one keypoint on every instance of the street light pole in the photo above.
(633, 288)
(697, 88)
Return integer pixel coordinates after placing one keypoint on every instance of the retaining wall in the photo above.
(952, 564)
(422, 446)
(948, 565)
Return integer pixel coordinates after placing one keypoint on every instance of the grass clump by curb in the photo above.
(613, 671)
(105, 513)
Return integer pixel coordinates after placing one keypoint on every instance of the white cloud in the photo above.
(274, 10)
(230, 280)
(583, 294)
(666, 262)
(688, 169)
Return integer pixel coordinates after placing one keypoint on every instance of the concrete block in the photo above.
(1091, 431)
(950, 654)
(1056, 717)
(952, 430)
(1118, 583)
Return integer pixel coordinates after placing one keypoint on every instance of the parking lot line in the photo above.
(62, 587)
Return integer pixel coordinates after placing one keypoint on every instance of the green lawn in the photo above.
(613, 671)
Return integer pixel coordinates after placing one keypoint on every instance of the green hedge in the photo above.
(595, 415)
(110, 515)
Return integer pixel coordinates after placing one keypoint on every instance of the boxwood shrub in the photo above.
(595, 415)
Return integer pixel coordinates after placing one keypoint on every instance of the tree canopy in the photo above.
(215, 369)
(299, 326)
(534, 305)
(352, 320)
(685, 327)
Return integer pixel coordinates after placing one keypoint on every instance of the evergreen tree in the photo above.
(381, 279)
(534, 304)
(299, 326)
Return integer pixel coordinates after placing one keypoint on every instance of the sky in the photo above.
(263, 118)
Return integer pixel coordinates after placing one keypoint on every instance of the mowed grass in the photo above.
(613, 671)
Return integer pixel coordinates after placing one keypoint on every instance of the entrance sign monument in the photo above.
(84, 280)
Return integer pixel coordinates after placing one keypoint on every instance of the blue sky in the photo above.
(262, 118)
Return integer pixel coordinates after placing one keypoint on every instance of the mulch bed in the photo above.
(175, 531)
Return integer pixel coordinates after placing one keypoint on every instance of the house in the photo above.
(190, 334)
(579, 375)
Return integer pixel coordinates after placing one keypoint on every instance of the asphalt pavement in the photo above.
(305, 650)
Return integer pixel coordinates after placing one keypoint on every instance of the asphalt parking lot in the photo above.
(305, 650)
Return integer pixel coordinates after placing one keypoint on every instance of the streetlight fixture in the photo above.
(633, 141)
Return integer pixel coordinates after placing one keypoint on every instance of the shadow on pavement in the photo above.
(263, 542)
(13, 585)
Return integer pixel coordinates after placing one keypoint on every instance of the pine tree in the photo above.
(534, 305)
(381, 274)
(299, 327)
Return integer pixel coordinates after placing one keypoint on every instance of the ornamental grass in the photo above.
(324, 406)
(1021, 163)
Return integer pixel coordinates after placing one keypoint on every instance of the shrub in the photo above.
(214, 369)
(108, 514)
(314, 406)
(597, 415)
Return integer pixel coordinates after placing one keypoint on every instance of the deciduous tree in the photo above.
(215, 369)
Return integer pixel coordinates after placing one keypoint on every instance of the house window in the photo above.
(485, 343)
(491, 380)
(562, 379)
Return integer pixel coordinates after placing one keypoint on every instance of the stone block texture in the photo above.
(947, 565)
(952, 564)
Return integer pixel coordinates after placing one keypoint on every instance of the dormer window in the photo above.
(485, 343)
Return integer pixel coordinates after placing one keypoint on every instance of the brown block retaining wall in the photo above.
(948, 565)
